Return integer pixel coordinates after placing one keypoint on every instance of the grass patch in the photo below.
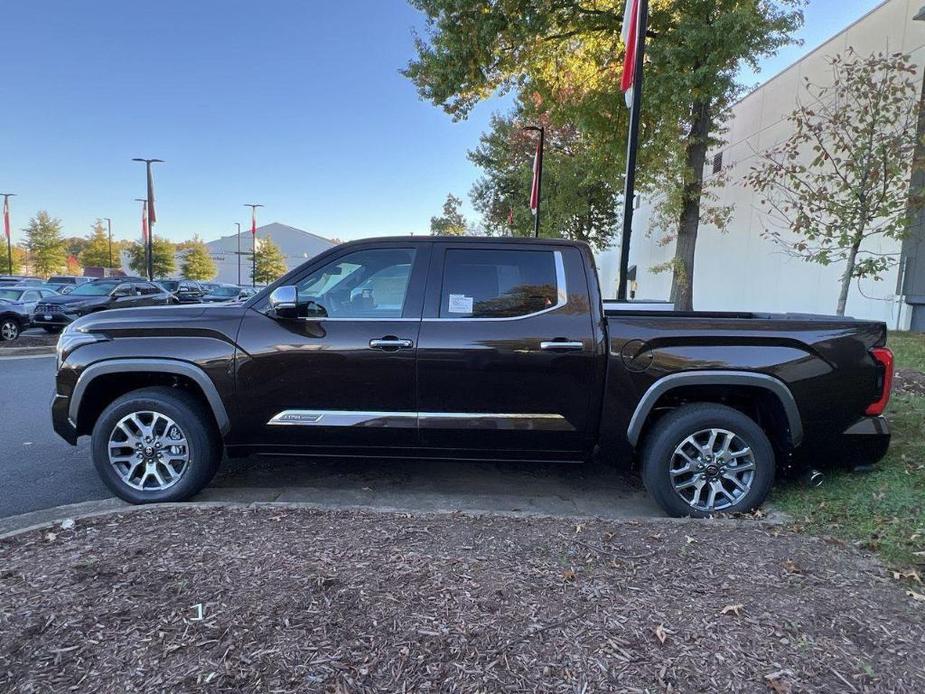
(884, 510)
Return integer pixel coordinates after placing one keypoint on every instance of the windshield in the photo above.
(225, 291)
(94, 289)
(10, 294)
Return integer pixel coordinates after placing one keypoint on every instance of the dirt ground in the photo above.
(272, 599)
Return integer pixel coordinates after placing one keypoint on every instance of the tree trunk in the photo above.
(682, 282)
(846, 278)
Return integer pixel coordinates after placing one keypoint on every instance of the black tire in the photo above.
(196, 425)
(9, 328)
(52, 329)
(670, 432)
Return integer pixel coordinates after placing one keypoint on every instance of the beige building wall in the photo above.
(741, 270)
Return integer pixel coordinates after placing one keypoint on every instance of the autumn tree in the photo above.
(840, 181)
(163, 258)
(96, 252)
(270, 264)
(451, 222)
(565, 58)
(578, 202)
(46, 247)
(197, 262)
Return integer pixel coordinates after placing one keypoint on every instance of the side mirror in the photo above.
(284, 302)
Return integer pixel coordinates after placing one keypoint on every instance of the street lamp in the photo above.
(152, 216)
(6, 228)
(109, 227)
(253, 206)
(537, 185)
(238, 224)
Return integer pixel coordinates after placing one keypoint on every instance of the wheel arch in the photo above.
(715, 385)
(109, 379)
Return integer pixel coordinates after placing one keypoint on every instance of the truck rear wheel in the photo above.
(703, 459)
(155, 445)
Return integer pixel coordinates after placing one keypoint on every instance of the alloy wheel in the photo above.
(148, 450)
(712, 469)
(9, 330)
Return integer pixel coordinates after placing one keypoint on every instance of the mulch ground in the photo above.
(911, 381)
(270, 599)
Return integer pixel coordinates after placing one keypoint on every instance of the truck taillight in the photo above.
(884, 357)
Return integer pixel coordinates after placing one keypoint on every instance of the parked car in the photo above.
(183, 291)
(224, 293)
(16, 307)
(54, 313)
(19, 280)
(60, 288)
(471, 348)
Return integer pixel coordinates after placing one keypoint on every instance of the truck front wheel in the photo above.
(703, 459)
(155, 445)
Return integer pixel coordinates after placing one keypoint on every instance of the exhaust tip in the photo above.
(813, 479)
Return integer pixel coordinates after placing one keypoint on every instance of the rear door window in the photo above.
(483, 283)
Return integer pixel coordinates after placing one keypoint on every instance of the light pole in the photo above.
(537, 186)
(109, 227)
(238, 224)
(6, 229)
(152, 216)
(253, 206)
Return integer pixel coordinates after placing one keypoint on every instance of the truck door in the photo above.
(506, 354)
(343, 375)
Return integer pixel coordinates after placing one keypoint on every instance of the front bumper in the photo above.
(55, 319)
(60, 421)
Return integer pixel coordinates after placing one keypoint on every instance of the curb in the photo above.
(8, 352)
(46, 518)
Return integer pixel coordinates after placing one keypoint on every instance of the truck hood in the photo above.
(150, 319)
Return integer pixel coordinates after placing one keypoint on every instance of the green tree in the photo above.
(96, 251)
(197, 262)
(563, 57)
(451, 222)
(577, 203)
(74, 245)
(20, 256)
(840, 180)
(163, 260)
(46, 248)
(270, 262)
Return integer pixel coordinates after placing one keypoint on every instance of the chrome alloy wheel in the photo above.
(9, 330)
(148, 450)
(712, 469)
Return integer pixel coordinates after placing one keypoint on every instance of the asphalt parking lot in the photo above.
(38, 470)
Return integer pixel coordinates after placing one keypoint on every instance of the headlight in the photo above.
(72, 338)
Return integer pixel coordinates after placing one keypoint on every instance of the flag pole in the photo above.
(6, 229)
(632, 145)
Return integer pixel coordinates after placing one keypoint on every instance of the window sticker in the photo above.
(460, 303)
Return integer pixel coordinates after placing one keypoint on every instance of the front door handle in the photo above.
(391, 343)
(564, 345)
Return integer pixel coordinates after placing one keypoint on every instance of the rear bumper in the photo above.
(865, 442)
(60, 421)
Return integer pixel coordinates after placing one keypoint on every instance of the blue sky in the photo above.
(297, 104)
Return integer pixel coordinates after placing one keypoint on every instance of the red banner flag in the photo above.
(144, 222)
(6, 217)
(535, 186)
(629, 31)
(151, 194)
(253, 221)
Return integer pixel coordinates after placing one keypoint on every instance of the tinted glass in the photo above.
(30, 296)
(364, 284)
(94, 289)
(497, 283)
(10, 294)
(169, 285)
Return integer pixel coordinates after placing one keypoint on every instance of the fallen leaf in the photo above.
(689, 539)
(51, 536)
(661, 634)
(778, 683)
(735, 609)
(67, 524)
(568, 575)
(791, 567)
(915, 596)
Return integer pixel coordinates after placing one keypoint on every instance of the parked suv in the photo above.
(54, 313)
(471, 348)
(68, 279)
(16, 307)
(19, 281)
(183, 291)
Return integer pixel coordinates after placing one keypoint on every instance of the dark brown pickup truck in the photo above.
(471, 348)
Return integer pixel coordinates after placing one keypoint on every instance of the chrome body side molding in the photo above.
(424, 420)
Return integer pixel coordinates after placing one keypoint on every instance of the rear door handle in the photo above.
(563, 345)
(390, 342)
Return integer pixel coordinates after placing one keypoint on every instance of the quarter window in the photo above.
(364, 284)
(500, 283)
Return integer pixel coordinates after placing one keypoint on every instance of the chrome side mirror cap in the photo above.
(284, 298)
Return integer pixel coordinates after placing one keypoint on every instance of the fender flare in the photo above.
(169, 366)
(723, 378)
